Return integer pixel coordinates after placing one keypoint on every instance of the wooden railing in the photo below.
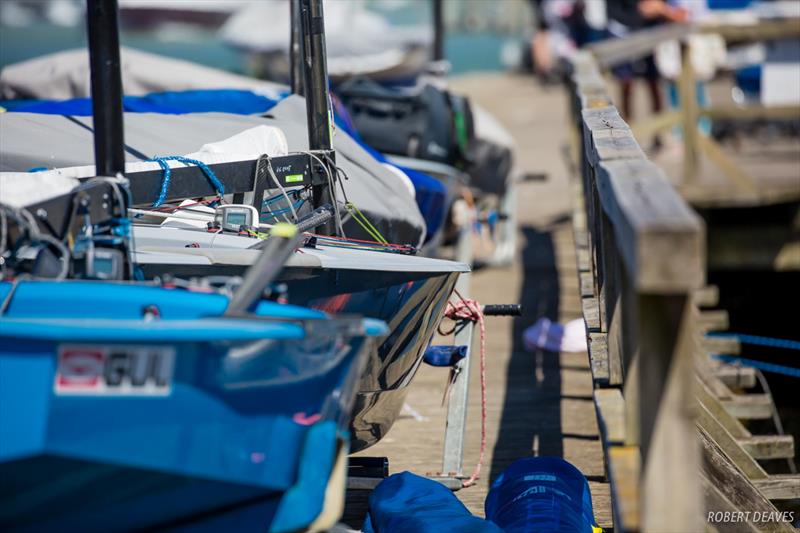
(669, 412)
(641, 258)
(696, 146)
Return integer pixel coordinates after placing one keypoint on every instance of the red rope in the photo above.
(471, 310)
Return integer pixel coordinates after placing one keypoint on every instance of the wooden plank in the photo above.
(749, 406)
(612, 143)
(611, 415)
(779, 487)
(732, 170)
(661, 239)
(751, 112)
(591, 314)
(731, 424)
(739, 377)
(762, 30)
(623, 473)
(721, 345)
(739, 492)
(598, 357)
(670, 452)
(707, 296)
(636, 45)
(587, 284)
(768, 446)
(584, 258)
(715, 320)
(603, 118)
(730, 446)
(653, 125)
(717, 502)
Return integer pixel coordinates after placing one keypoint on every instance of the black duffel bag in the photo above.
(425, 122)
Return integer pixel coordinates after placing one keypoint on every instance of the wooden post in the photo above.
(668, 440)
(687, 92)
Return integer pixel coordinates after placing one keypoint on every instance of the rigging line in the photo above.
(364, 222)
(133, 151)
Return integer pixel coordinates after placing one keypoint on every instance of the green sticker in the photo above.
(294, 178)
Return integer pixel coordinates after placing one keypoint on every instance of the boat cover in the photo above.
(59, 84)
(45, 142)
(65, 75)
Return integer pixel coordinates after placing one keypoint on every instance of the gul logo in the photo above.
(79, 369)
(126, 370)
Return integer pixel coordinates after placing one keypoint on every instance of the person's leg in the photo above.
(626, 97)
(653, 78)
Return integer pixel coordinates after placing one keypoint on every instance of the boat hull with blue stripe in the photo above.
(118, 400)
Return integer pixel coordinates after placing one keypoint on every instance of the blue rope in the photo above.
(761, 365)
(760, 341)
(162, 162)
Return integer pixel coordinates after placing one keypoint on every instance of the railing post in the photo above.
(687, 92)
(668, 438)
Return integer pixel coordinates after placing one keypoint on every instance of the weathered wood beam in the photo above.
(721, 345)
(739, 492)
(637, 45)
(738, 377)
(623, 464)
(768, 446)
(749, 406)
(779, 486)
(707, 296)
(715, 320)
(598, 357)
(661, 239)
(611, 415)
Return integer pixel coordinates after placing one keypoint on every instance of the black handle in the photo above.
(502, 310)
(316, 218)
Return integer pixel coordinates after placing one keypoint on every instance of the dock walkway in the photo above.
(538, 404)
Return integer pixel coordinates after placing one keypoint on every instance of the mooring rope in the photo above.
(467, 309)
(162, 162)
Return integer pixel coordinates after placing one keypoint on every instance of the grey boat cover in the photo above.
(64, 145)
(65, 75)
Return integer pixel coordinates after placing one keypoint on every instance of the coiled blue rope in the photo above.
(761, 365)
(162, 162)
(759, 340)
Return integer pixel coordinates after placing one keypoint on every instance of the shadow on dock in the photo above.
(530, 419)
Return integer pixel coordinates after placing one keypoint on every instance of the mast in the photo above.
(315, 83)
(103, 29)
(438, 30)
(296, 49)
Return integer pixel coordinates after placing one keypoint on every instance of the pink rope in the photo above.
(471, 310)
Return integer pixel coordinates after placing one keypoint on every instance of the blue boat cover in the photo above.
(407, 503)
(430, 193)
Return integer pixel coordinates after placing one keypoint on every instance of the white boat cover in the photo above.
(65, 75)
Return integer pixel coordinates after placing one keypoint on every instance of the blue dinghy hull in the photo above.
(123, 422)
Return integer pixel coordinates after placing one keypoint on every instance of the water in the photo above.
(467, 51)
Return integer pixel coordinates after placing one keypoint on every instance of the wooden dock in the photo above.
(538, 403)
